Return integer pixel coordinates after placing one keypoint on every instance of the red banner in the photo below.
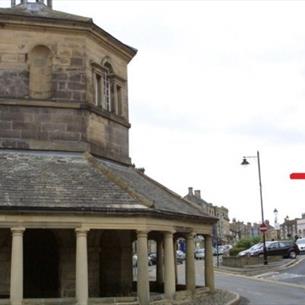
(297, 176)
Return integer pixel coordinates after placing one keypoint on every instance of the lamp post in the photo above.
(245, 162)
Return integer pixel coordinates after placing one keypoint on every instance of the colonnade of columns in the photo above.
(165, 266)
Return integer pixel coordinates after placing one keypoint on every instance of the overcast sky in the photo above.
(213, 81)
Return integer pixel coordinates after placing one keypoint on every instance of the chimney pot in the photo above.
(190, 191)
(50, 3)
(198, 194)
(13, 3)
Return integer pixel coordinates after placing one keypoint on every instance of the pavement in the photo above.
(261, 270)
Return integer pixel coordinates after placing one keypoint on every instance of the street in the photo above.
(261, 292)
(255, 291)
(286, 287)
(294, 275)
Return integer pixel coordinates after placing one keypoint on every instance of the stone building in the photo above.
(71, 203)
(240, 230)
(222, 228)
(289, 228)
(301, 226)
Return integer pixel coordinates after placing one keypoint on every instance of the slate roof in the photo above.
(74, 182)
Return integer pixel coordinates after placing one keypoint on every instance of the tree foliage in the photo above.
(244, 244)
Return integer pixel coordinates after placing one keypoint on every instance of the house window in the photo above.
(107, 90)
(98, 89)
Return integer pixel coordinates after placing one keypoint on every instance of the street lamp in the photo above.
(245, 162)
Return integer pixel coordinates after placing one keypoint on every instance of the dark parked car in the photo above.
(282, 247)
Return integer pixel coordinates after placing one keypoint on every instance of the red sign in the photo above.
(263, 228)
(297, 176)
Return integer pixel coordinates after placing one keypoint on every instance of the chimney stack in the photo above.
(50, 3)
(198, 194)
(13, 3)
(190, 191)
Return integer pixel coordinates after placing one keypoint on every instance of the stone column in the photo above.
(208, 263)
(142, 265)
(81, 267)
(16, 284)
(190, 276)
(169, 266)
(175, 260)
(160, 260)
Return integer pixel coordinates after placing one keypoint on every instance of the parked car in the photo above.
(282, 247)
(180, 256)
(199, 253)
(223, 249)
(226, 249)
(301, 244)
(249, 251)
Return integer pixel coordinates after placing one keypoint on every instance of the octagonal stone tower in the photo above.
(63, 83)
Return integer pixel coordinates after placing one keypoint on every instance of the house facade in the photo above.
(221, 230)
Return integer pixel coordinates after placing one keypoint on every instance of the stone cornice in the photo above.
(54, 23)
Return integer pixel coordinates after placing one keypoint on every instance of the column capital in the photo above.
(169, 234)
(142, 233)
(17, 230)
(81, 231)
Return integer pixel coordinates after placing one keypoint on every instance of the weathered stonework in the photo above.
(45, 68)
(14, 84)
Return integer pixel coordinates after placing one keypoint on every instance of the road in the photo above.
(261, 292)
(294, 275)
(254, 291)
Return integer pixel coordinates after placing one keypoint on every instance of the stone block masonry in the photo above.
(21, 124)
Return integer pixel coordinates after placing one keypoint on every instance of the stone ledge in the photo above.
(65, 105)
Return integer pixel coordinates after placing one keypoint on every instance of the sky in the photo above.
(214, 81)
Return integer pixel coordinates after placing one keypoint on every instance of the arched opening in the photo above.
(40, 62)
(41, 264)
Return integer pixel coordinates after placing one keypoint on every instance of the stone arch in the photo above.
(40, 66)
(107, 63)
(41, 264)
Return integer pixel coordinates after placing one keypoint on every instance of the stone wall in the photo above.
(48, 70)
(107, 138)
(240, 262)
(42, 128)
(67, 60)
(14, 83)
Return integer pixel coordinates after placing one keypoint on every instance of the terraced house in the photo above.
(71, 203)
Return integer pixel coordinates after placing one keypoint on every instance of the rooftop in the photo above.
(49, 181)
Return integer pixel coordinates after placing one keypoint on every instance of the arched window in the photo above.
(108, 87)
(108, 93)
(40, 62)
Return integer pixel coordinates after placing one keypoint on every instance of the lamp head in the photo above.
(245, 161)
